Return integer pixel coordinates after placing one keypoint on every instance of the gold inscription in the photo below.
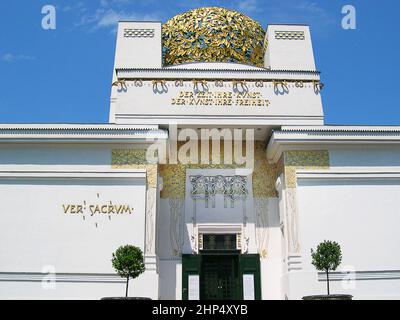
(220, 98)
(93, 209)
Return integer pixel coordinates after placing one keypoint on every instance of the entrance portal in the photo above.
(220, 271)
(219, 277)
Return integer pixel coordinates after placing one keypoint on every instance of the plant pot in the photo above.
(330, 297)
(125, 298)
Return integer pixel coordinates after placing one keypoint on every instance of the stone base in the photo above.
(330, 297)
(125, 298)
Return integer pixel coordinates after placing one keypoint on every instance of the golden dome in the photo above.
(213, 34)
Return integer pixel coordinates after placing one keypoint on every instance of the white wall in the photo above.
(38, 237)
(289, 53)
(143, 105)
(170, 280)
(141, 47)
(365, 157)
(33, 221)
(271, 265)
(362, 216)
(57, 156)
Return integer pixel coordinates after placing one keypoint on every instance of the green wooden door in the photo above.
(191, 265)
(250, 264)
(219, 277)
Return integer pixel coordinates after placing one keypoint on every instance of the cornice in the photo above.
(340, 129)
(215, 74)
(96, 133)
(315, 137)
(205, 70)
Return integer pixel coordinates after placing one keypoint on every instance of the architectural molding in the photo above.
(176, 207)
(47, 174)
(361, 275)
(102, 133)
(151, 206)
(294, 262)
(344, 174)
(218, 120)
(262, 225)
(220, 72)
(295, 160)
(61, 277)
(292, 220)
(317, 137)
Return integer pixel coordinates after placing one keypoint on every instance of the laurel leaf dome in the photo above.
(213, 34)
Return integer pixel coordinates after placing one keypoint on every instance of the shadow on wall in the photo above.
(48, 154)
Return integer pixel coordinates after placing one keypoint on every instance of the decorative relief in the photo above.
(200, 237)
(264, 174)
(280, 166)
(233, 188)
(299, 160)
(174, 177)
(176, 228)
(213, 34)
(150, 212)
(280, 87)
(193, 244)
(290, 162)
(289, 35)
(152, 172)
(245, 249)
(134, 159)
(159, 86)
(138, 33)
(262, 225)
(200, 86)
(292, 220)
(128, 156)
(239, 241)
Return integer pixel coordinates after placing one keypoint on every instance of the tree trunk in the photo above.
(127, 285)
(327, 281)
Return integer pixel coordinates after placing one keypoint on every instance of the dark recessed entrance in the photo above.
(217, 272)
(219, 278)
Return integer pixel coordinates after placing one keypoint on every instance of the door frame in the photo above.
(248, 264)
(224, 253)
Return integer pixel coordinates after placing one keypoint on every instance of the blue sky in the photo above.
(64, 75)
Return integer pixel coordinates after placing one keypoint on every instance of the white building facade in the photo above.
(227, 218)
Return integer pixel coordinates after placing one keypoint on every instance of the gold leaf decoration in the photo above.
(303, 160)
(213, 34)
(264, 174)
(135, 159)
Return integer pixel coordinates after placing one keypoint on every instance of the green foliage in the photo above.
(327, 257)
(128, 261)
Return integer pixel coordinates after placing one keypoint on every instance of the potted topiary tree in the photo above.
(327, 257)
(128, 263)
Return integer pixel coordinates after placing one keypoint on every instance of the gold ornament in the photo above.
(213, 34)
(303, 160)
